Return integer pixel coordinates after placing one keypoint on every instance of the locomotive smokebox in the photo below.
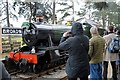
(42, 35)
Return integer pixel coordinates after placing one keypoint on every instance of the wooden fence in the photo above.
(6, 46)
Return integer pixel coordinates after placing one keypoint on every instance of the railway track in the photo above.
(64, 78)
(32, 76)
(15, 72)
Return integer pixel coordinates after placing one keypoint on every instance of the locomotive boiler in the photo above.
(41, 50)
(38, 35)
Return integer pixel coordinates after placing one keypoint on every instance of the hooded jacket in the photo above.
(78, 45)
(4, 75)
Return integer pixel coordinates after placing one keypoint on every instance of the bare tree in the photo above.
(53, 22)
(8, 22)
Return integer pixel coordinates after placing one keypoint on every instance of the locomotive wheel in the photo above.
(36, 68)
(23, 65)
(62, 61)
(9, 64)
(45, 66)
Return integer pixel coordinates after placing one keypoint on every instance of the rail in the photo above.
(32, 76)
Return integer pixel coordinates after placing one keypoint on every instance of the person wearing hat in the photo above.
(77, 45)
(39, 18)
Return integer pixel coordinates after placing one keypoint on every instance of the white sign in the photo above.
(11, 31)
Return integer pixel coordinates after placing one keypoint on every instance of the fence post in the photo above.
(0, 41)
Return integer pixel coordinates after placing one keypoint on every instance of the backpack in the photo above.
(114, 45)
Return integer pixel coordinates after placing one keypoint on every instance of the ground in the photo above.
(63, 72)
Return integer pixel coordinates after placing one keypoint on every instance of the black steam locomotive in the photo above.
(41, 50)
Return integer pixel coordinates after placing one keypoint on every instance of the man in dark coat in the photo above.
(4, 75)
(77, 65)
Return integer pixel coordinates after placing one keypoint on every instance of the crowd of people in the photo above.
(90, 56)
(86, 56)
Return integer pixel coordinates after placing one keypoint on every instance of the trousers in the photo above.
(96, 71)
(105, 70)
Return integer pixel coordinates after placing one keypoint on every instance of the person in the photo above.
(77, 45)
(39, 18)
(4, 75)
(108, 57)
(105, 33)
(118, 61)
(96, 49)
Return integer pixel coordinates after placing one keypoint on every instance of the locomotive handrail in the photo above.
(50, 48)
(50, 40)
(14, 54)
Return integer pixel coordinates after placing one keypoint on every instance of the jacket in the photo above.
(96, 49)
(4, 75)
(108, 56)
(77, 46)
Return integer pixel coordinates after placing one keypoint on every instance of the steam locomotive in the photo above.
(41, 50)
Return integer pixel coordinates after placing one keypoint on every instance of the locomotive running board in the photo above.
(49, 48)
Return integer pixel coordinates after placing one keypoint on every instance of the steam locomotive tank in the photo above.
(44, 39)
